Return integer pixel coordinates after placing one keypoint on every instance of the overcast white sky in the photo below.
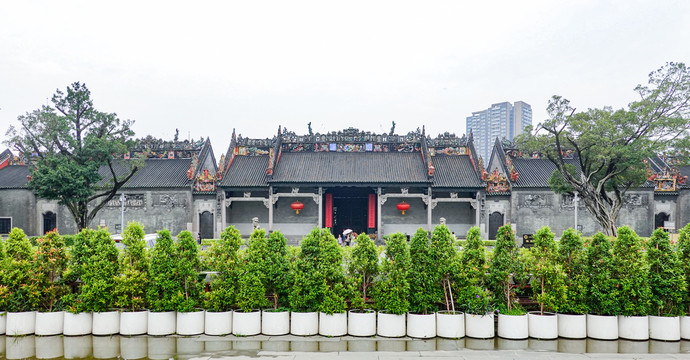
(205, 67)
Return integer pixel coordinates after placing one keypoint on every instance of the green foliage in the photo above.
(319, 279)
(277, 269)
(422, 275)
(443, 254)
(549, 284)
(99, 273)
(611, 144)
(164, 288)
(684, 257)
(51, 262)
(363, 268)
(666, 279)
(133, 280)
(189, 297)
(571, 255)
(69, 240)
(251, 292)
(18, 246)
(474, 258)
(223, 258)
(392, 290)
(630, 271)
(504, 265)
(602, 293)
(476, 300)
(19, 286)
(70, 141)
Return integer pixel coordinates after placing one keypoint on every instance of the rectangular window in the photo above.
(5, 225)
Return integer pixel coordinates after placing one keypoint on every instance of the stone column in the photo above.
(270, 208)
(428, 209)
(477, 209)
(320, 207)
(379, 223)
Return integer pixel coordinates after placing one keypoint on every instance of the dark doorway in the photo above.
(206, 225)
(350, 209)
(495, 222)
(49, 222)
(659, 220)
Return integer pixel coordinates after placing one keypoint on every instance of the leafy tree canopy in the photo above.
(67, 143)
(609, 145)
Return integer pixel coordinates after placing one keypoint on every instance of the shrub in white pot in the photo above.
(132, 282)
(505, 266)
(473, 296)
(423, 274)
(251, 293)
(450, 323)
(51, 259)
(222, 258)
(20, 296)
(362, 269)
(602, 320)
(276, 319)
(667, 284)
(332, 307)
(548, 284)
(392, 290)
(684, 256)
(190, 316)
(572, 318)
(164, 287)
(630, 271)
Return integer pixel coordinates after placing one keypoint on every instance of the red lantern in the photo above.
(297, 206)
(403, 206)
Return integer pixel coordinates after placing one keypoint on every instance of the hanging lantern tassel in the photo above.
(403, 206)
(297, 206)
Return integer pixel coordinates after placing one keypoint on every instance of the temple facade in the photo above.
(347, 180)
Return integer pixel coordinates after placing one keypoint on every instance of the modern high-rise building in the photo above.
(501, 120)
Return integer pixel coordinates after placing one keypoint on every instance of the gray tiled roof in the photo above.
(246, 171)
(14, 177)
(336, 167)
(454, 172)
(156, 173)
(535, 172)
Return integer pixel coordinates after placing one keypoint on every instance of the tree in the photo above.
(422, 275)
(504, 265)
(684, 256)
(442, 252)
(163, 287)
(223, 258)
(251, 291)
(277, 269)
(392, 289)
(363, 268)
(68, 143)
(51, 260)
(187, 269)
(602, 294)
(571, 254)
(131, 284)
(633, 291)
(666, 279)
(550, 278)
(608, 147)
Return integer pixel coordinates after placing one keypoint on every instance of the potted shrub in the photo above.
(332, 307)
(251, 293)
(190, 318)
(630, 271)
(392, 290)
(602, 322)
(223, 260)
(276, 319)
(20, 288)
(449, 322)
(423, 274)
(51, 260)
(684, 256)
(3, 290)
(572, 318)
(362, 268)
(474, 298)
(305, 290)
(505, 264)
(667, 285)
(98, 288)
(132, 282)
(164, 288)
(78, 319)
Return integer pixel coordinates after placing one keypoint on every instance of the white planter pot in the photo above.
(543, 327)
(480, 326)
(275, 322)
(3, 322)
(666, 328)
(162, 323)
(50, 323)
(633, 327)
(106, 323)
(361, 323)
(514, 327)
(77, 324)
(602, 327)
(450, 325)
(21, 347)
(218, 323)
(20, 323)
(134, 323)
(246, 323)
(304, 323)
(135, 347)
(49, 347)
(190, 323)
(572, 326)
(684, 327)
(421, 326)
(333, 325)
(106, 347)
(391, 325)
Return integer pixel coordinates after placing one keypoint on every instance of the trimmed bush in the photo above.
(571, 255)
(363, 268)
(133, 281)
(392, 291)
(684, 256)
(277, 270)
(442, 252)
(422, 275)
(223, 258)
(504, 264)
(19, 290)
(164, 288)
(51, 259)
(630, 271)
(251, 292)
(549, 287)
(187, 273)
(666, 280)
(602, 293)
(99, 273)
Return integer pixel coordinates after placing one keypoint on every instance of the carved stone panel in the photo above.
(169, 200)
(534, 201)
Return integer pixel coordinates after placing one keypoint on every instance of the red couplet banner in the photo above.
(329, 210)
(372, 211)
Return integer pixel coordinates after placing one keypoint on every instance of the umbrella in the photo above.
(347, 231)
